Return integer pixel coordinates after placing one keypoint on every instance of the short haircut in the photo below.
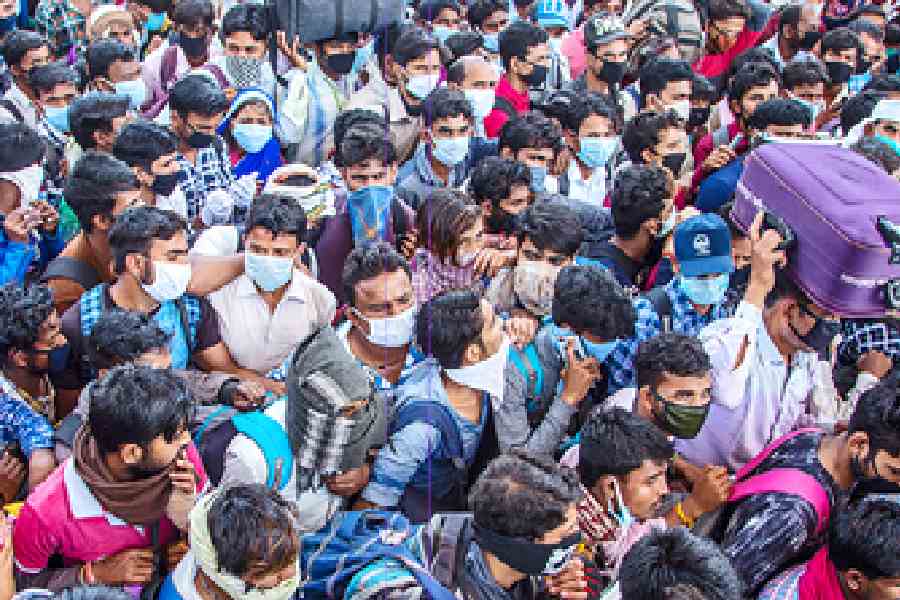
(703, 89)
(523, 496)
(367, 262)
(95, 111)
(516, 39)
(531, 130)
(18, 43)
(617, 442)
(365, 141)
(481, 10)
(250, 18)
(757, 54)
(278, 214)
(430, 9)
(670, 353)
(866, 536)
(884, 82)
(779, 111)
(22, 312)
(461, 44)
(447, 324)
(252, 525)
(197, 94)
(790, 15)
(20, 147)
(804, 71)
(609, 315)
(412, 44)
(443, 218)
(123, 336)
(859, 107)
(726, 9)
(44, 78)
(445, 103)
(350, 118)
(878, 415)
(103, 53)
(666, 561)
(659, 72)
(590, 105)
(863, 26)
(136, 228)
(638, 196)
(136, 404)
(140, 143)
(551, 224)
(642, 132)
(842, 38)
(493, 178)
(193, 12)
(92, 186)
(878, 152)
(749, 76)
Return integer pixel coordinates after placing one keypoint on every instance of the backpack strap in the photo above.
(12, 109)
(65, 267)
(273, 442)
(212, 444)
(787, 481)
(768, 450)
(218, 74)
(438, 416)
(505, 106)
(448, 546)
(168, 68)
(190, 313)
(398, 221)
(662, 305)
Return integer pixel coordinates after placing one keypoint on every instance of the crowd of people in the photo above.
(460, 306)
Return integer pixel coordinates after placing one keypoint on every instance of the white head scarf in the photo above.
(885, 110)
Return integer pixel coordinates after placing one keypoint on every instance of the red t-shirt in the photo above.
(715, 65)
(495, 121)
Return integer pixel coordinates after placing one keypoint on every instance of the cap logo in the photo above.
(702, 245)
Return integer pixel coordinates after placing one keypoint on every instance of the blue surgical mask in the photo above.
(58, 117)
(599, 351)
(252, 138)
(705, 292)
(268, 272)
(596, 151)
(422, 85)
(491, 42)
(623, 514)
(362, 57)
(442, 33)
(156, 21)
(538, 179)
(450, 151)
(134, 89)
(894, 146)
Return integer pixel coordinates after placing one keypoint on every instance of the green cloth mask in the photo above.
(684, 422)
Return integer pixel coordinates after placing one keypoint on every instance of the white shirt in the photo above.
(592, 191)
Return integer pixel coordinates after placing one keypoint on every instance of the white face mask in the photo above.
(482, 102)
(682, 108)
(170, 281)
(487, 375)
(391, 332)
(422, 85)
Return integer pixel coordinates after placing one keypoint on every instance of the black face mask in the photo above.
(809, 39)
(739, 279)
(893, 63)
(819, 337)
(527, 557)
(194, 47)
(340, 63)
(501, 221)
(612, 72)
(164, 185)
(674, 162)
(839, 72)
(537, 77)
(698, 116)
(199, 140)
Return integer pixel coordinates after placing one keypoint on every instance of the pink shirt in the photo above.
(573, 49)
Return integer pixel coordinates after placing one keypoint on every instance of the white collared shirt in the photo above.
(592, 191)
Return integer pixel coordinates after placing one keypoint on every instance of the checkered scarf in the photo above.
(244, 71)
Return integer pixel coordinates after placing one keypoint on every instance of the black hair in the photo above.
(757, 54)
(278, 214)
(892, 34)
(638, 196)
(462, 44)
(367, 262)
(135, 404)
(350, 118)
(862, 26)
(877, 414)
(92, 186)
(878, 152)
(44, 78)
(493, 178)
(92, 112)
(617, 442)
(444, 103)
(531, 130)
(523, 496)
(123, 336)
(363, 142)
(859, 107)
(609, 315)
(726, 9)
(842, 38)
(193, 12)
(142, 142)
(703, 89)
(866, 537)
(22, 312)
(675, 563)
(672, 353)
(20, 147)
(643, 131)
(804, 71)
(92, 592)
(884, 82)
(481, 10)
(516, 39)
(551, 224)
(557, 105)
(430, 9)
(751, 75)
(412, 44)
(136, 228)
(103, 53)
(197, 94)
(18, 43)
(790, 15)
(251, 18)
(447, 324)
(659, 72)
(588, 105)
(443, 218)
(251, 524)
(779, 111)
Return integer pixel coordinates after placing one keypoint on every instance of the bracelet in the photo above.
(682, 516)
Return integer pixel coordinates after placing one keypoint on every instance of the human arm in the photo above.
(40, 464)
(398, 461)
(209, 273)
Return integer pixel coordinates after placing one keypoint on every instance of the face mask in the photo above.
(684, 422)
(674, 162)
(135, 90)
(705, 292)
(252, 138)
(422, 85)
(813, 109)
(486, 375)
(820, 336)
(611, 72)
(596, 151)
(598, 351)
(194, 47)
(537, 77)
(58, 117)
(482, 102)
(391, 332)
(838, 72)
(450, 151)
(682, 108)
(528, 557)
(156, 21)
(555, 45)
(341, 63)
(699, 116)
(668, 225)
(170, 282)
(268, 272)
(244, 71)
(164, 185)
(442, 33)
(491, 42)
(810, 39)
(623, 515)
(533, 284)
(362, 56)
(370, 209)
(538, 179)
(29, 180)
(198, 140)
(894, 145)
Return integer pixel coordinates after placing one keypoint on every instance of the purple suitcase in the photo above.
(831, 198)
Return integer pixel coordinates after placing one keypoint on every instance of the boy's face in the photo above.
(755, 96)
(642, 490)
(529, 252)
(811, 92)
(368, 173)
(242, 43)
(451, 127)
(61, 95)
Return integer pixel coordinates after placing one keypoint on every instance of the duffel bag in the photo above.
(317, 20)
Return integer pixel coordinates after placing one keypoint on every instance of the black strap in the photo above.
(564, 183)
(398, 221)
(662, 304)
(504, 105)
(65, 267)
(186, 325)
(212, 449)
(11, 107)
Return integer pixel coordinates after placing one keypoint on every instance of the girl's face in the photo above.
(253, 113)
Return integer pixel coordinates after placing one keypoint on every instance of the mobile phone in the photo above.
(298, 181)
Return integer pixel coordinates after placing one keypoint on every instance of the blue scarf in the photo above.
(266, 160)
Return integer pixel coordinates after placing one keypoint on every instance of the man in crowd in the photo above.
(22, 51)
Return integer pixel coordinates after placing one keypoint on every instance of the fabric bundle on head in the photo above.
(323, 380)
(102, 17)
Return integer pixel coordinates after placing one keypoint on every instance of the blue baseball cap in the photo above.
(551, 13)
(703, 246)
